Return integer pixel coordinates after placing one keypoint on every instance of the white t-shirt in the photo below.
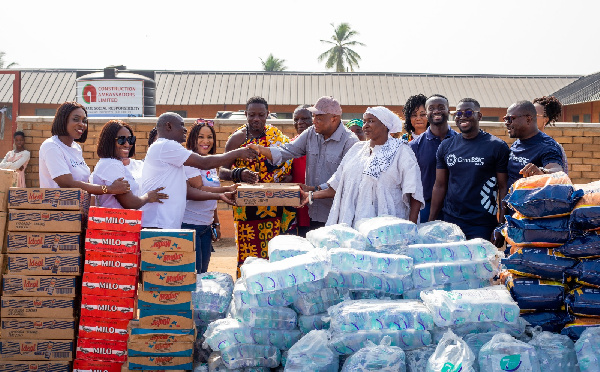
(163, 167)
(57, 159)
(105, 173)
(202, 212)
(135, 168)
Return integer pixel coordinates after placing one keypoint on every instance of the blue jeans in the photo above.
(203, 245)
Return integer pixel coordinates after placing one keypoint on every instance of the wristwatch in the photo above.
(318, 188)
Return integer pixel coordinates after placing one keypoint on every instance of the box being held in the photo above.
(44, 264)
(36, 350)
(34, 366)
(115, 219)
(167, 240)
(168, 261)
(37, 307)
(103, 328)
(111, 241)
(38, 328)
(44, 220)
(168, 281)
(111, 263)
(109, 285)
(268, 194)
(35, 198)
(23, 285)
(34, 242)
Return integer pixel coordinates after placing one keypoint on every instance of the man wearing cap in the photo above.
(324, 143)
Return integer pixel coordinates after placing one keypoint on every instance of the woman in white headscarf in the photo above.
(376, 177)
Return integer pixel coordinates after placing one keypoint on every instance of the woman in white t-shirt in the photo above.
(61, 159)
(117, 142)
(202, 215)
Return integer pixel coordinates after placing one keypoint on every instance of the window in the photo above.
(587, 118)
(351, 115)
(284, 115)
(575, 118)
(490, 118)
(182, 113)
(45, 111)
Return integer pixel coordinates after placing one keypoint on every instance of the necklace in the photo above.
(262, 133)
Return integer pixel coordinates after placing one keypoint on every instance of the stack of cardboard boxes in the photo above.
(109, 288)
(43, 268)
(8, 179)
(164, 336)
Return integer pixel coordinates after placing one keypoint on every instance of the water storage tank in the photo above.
(117, 93)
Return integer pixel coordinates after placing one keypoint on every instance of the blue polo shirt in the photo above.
(540, 150)
(425, 147)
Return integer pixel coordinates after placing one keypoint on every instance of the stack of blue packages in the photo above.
(286, 246)
(211, 298)
(337, 236)
(387, 234)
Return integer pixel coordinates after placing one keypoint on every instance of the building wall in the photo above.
(581, 109)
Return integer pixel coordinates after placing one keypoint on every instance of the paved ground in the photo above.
(224, 259)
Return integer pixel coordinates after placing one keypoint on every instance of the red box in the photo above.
(112, 241)
(111, 263)
(109, 285)
(115, 219)
(103, 329)
(80, 365)
(108, 307)
(106, 350)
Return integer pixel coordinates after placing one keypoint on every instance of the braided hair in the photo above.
(412, 104)
(106, 140)
(552, 107)
(59, 125)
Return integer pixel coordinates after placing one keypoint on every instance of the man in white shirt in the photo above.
(164, 166)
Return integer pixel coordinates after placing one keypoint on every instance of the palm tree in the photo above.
(273, 64)
(340, 53)
(10, 65)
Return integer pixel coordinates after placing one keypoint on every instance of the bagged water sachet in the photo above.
(439, 232)
(416, 360)
(451, 354)
(475, 341)
(406, 339)
(505, 353)
(588, 350)
(250, 355)
(286, 246)
(462, 330)
(472, 305)
(311, 354)
(556, 353)
(213, 292)
(337, 236)
(382, 358)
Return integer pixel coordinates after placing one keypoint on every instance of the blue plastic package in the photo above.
(538, 263)
(584, 301)
(586, 272)
(575, 328)
(536, 294)
(551, 321)
(586, 214)
(581, 246)
(540, 232)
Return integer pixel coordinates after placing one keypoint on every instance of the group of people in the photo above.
(347, 171)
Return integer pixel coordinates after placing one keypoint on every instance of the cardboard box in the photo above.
(125, 368)
(268, 194)
(161, 362)
(8, 179)
(105, 350)
(43, 220)
(3, 262)
(159, 348)
(163, 319)
(163, 335)
(168, 261)
(103, 328)
(31, 366)
(60, 199)
(111, 263)
(108, 307)
(111, 241)
(50, 242)
(37, 307)
(3, 223)
(44, 264)
(23, 285)
(36, 350)
(109, 285)
(38, 328)
(167, 240)
(80, 365)
(115, 219)
(167, 300)
(168, 281)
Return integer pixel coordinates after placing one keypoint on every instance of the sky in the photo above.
(524, 37)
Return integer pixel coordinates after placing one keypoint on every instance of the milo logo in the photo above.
(449, 367)
(510, 362)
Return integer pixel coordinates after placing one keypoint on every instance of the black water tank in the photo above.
(120, 73)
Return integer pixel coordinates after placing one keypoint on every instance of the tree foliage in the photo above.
(273, 64)
(2, 62)
(341, 56)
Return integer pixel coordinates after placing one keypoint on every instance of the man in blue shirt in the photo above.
(534, 152)
(425, 146)
(471, 175)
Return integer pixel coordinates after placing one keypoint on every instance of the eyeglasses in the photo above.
(467, 113)
(210, 123)
(509, 118)
(122, 139)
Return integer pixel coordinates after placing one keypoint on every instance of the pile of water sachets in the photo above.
(555, 246)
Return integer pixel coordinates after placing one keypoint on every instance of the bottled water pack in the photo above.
(213, 292)
(382, 357)
(439, 232)
(311, 354)
(387, 231)
(474, 249)
(267, 317)
(284, 297)
(345, 259)
(318, 302)
(407, 339)
(438, 273)
(514, 329)
(415, 293)
(337, 236)
(372, 282)
(250, 356)
(472, 305)
(555, 352)
(505, 353)
(286, 246)
(307, 323)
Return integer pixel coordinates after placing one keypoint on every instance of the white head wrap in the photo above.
(387, 117)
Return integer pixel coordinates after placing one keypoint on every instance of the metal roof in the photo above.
(584, 89)
(293, 88)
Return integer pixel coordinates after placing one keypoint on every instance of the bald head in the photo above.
(170, 126)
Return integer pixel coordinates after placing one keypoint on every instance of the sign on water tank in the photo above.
(118, 97)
